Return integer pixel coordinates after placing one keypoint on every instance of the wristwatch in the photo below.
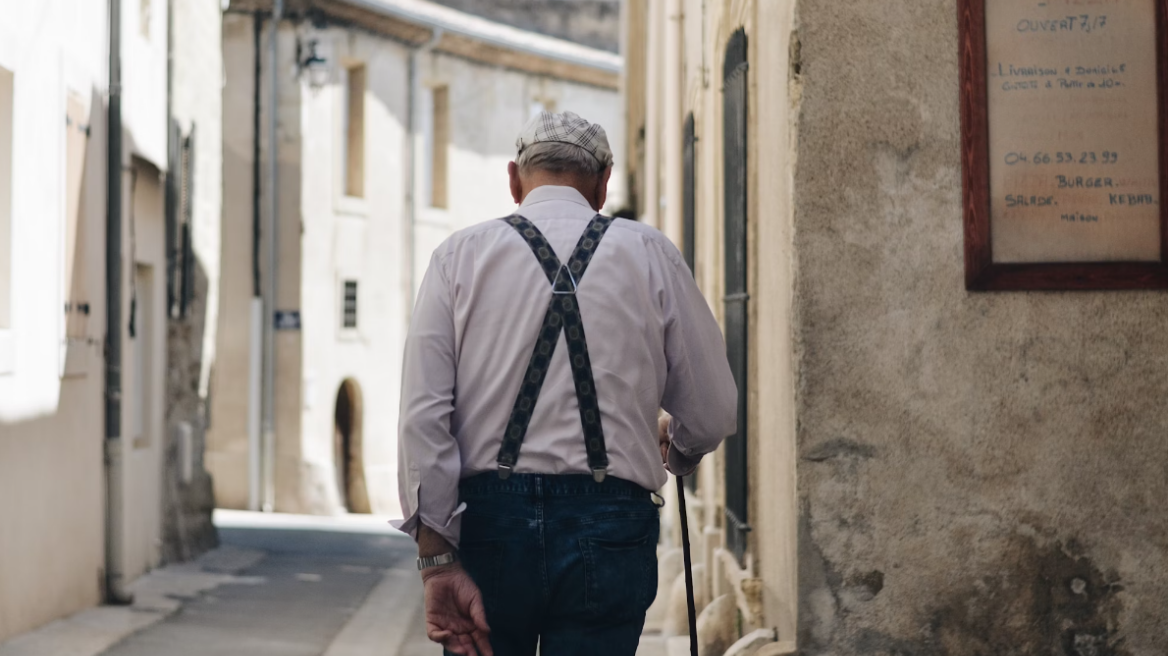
(434, 561)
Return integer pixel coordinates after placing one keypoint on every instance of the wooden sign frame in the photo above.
(981, 272)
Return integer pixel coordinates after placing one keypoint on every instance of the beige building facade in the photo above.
(923, 470)
(395, 124)
(51, 407)
(84, 481)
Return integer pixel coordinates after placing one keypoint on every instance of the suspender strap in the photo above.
(563, 313)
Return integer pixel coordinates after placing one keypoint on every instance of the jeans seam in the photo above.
(543, 565)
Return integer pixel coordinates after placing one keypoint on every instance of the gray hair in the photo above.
(557, 157)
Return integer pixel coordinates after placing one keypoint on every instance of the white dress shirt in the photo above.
(652, 340)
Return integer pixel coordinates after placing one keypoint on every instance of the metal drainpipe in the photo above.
(652, 204)
(671, 122)
(115, 585)
(269, 318)
(414, 120)
(255, 376)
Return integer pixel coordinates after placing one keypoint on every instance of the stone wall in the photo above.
(978, 473)
(197, 108)
(594, 23)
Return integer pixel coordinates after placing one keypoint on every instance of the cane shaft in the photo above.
(689, 584)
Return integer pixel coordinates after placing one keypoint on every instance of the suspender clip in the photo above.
(559, 281)
(504, 471)
(598, 474)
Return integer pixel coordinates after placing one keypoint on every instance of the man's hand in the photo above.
(663, 436)
(455, 617)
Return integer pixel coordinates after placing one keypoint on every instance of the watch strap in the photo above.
(434, 561)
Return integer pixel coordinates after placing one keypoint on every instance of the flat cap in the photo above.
(567, 128)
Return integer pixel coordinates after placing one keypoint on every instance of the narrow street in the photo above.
(317, 586)
(278, 585)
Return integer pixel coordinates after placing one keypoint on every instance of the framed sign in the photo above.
(1063, 144)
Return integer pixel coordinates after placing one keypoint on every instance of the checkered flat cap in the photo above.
(567, 128)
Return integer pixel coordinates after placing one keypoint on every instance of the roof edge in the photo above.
(415, 21)
(438, 17)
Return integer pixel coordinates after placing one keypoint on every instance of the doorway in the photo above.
(735, 151)
(348, 450)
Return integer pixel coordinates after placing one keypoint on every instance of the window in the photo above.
(734, 144)
(355, 132)
(349, 305)
(438, 162)
(7, 91)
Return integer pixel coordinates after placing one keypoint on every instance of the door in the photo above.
(734, 143)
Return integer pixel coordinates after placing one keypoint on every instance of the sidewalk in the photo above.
(157, 596)
(332, 553)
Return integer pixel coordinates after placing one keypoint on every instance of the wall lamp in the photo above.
(308, 61)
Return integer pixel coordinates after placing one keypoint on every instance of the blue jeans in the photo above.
(561, 560)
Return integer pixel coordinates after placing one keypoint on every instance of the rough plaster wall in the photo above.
(978, 473)
(227, 434)
(300, 486)
(594, 23)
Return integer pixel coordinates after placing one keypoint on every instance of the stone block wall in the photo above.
(197, 109)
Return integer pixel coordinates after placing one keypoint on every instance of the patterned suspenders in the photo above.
(563, 313)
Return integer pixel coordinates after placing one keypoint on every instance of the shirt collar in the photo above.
(547, 193)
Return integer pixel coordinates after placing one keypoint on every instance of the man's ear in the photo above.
(602, 188)
(516, 183)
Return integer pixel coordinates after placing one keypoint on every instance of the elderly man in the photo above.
(541, 349)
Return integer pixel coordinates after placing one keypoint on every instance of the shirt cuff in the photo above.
(681, 464)
(450, 531)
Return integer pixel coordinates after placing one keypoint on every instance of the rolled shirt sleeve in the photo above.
(429, 463)
(700, 392)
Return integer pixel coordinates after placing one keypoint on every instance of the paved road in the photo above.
(331, 590)
(296, 586)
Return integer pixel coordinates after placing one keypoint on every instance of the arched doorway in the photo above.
(348, 451)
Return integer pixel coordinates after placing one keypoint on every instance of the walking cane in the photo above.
(689, 586)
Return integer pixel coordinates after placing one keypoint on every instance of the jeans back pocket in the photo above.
(620, 576)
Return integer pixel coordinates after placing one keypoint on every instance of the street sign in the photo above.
(287, 319)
